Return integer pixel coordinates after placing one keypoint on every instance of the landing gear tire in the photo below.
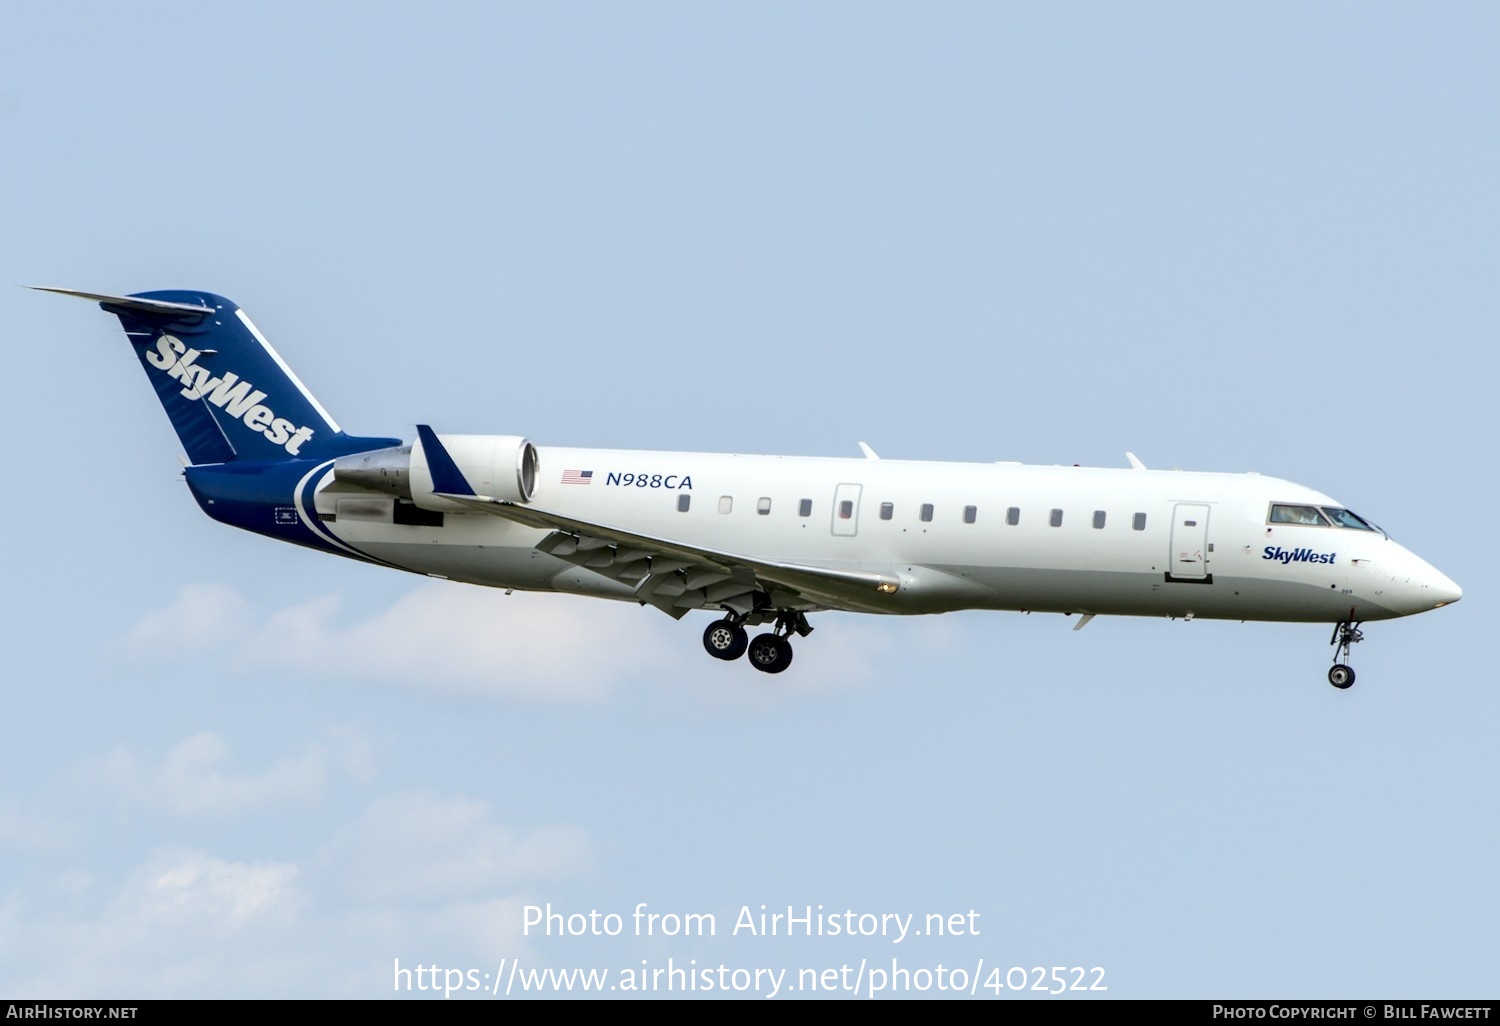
(770, 654)
(1341, 676)
(725, 639)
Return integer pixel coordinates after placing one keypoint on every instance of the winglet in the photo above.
(1135, 464)
(869, 453)
(446, 477)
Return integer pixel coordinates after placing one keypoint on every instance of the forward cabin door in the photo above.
(1189, 556)
(846, 509)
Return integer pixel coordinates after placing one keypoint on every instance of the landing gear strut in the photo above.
(1345, 633)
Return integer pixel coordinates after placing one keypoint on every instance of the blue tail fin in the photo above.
(230, 397)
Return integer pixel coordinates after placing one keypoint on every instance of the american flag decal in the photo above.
(578, 477)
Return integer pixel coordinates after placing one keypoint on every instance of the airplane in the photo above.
(755, 540)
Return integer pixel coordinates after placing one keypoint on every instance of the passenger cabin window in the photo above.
(846, 509)
(1056, 520)
(1305, 515)
(1013, 516)
(971, 514)
(1098, 518)
(926, 512)
(804, 508)
(726, 503)
(1139, 523)
(683, 502)
(763, 506)
(887, 510)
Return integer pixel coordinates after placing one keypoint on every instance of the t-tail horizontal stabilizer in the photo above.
(136, 303)
(229, 395)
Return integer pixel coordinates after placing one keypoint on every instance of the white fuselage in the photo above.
(956, 535)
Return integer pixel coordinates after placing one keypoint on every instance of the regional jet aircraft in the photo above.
(759, 541)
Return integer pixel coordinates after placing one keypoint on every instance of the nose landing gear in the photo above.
(1345, 633)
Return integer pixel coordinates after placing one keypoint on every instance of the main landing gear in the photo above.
(769, 653)
(1345, 633)
(725, 639)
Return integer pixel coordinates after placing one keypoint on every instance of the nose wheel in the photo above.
(1345, 633)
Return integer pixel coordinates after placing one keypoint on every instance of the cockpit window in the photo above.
(1282, 513)
(1344, 518)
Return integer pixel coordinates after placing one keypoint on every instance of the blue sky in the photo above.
(1256, 238)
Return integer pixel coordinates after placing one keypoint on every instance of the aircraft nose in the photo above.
(1443, 590)
(1433, 589)
(1420, 585)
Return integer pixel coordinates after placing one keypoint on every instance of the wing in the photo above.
(674, 576)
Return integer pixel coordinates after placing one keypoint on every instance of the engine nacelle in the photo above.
(381, 470)
(500, 466)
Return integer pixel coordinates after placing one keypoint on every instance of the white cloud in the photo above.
(446, 637)
(180, 889)
(419, 845)
(201, 617)
(420, 876)
(196, 776)
(32, 827)
(106, 908)
(488, 927)
(183, 922)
